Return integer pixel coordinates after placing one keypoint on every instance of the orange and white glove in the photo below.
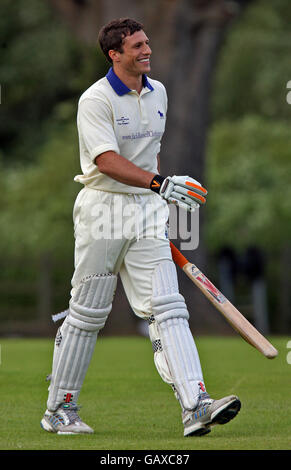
(183, 191)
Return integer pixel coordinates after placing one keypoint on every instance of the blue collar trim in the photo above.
(146, 83)
(119, 87)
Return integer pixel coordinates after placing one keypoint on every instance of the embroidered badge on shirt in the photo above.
(122, 121)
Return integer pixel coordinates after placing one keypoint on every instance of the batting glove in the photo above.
(183, 191)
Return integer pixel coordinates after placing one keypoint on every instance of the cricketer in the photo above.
(121, 120)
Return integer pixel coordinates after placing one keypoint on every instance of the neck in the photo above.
(134, 82)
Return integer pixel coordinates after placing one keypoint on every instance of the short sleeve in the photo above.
(95, 127)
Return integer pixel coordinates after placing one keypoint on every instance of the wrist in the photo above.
(156, 183)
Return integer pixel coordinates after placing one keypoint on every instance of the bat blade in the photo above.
(233, 316)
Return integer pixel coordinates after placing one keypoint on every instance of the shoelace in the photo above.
(71, 412)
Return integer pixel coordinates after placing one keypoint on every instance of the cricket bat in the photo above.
(238, 322)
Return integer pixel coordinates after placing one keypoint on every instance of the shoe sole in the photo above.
(226, 414)
(201, 431)
(221, 416)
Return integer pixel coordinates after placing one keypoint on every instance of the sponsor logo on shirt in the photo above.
(122, 121)
(142, 135)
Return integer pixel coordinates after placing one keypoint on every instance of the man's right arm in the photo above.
(180, 190)
(120, 169)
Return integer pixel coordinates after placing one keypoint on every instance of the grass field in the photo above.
(129, 406)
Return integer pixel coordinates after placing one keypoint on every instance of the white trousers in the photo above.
(121, 233)
(125, 234)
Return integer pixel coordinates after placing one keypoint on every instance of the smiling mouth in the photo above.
(144, 60)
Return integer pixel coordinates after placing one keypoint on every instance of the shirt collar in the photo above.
(119, 87)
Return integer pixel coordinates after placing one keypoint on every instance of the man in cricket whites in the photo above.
(121, 120)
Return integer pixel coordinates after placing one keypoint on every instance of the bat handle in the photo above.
(177, 256)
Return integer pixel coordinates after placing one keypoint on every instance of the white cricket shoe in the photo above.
(208, 413)
(65, 420)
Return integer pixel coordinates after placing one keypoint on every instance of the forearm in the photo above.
(158, 163)
(179, 190)
(120, 169)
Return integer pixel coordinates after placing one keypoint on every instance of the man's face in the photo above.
(135, 58)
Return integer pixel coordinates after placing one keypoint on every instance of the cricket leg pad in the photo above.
(75, 341)
(175, 353)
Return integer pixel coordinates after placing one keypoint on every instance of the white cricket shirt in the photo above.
(113, 117)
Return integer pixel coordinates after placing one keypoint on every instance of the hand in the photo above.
(183, 191)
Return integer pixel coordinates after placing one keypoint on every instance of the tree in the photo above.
(248, 166)
(237, 69)
(186, 36)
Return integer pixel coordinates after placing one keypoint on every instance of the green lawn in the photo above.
(129, 406)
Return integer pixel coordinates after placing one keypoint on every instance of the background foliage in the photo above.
(248, 160)
(44, 70)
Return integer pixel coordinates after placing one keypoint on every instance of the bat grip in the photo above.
(177, 256)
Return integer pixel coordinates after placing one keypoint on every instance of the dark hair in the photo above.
(111, 35)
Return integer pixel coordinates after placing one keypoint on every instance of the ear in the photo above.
(114, 55)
